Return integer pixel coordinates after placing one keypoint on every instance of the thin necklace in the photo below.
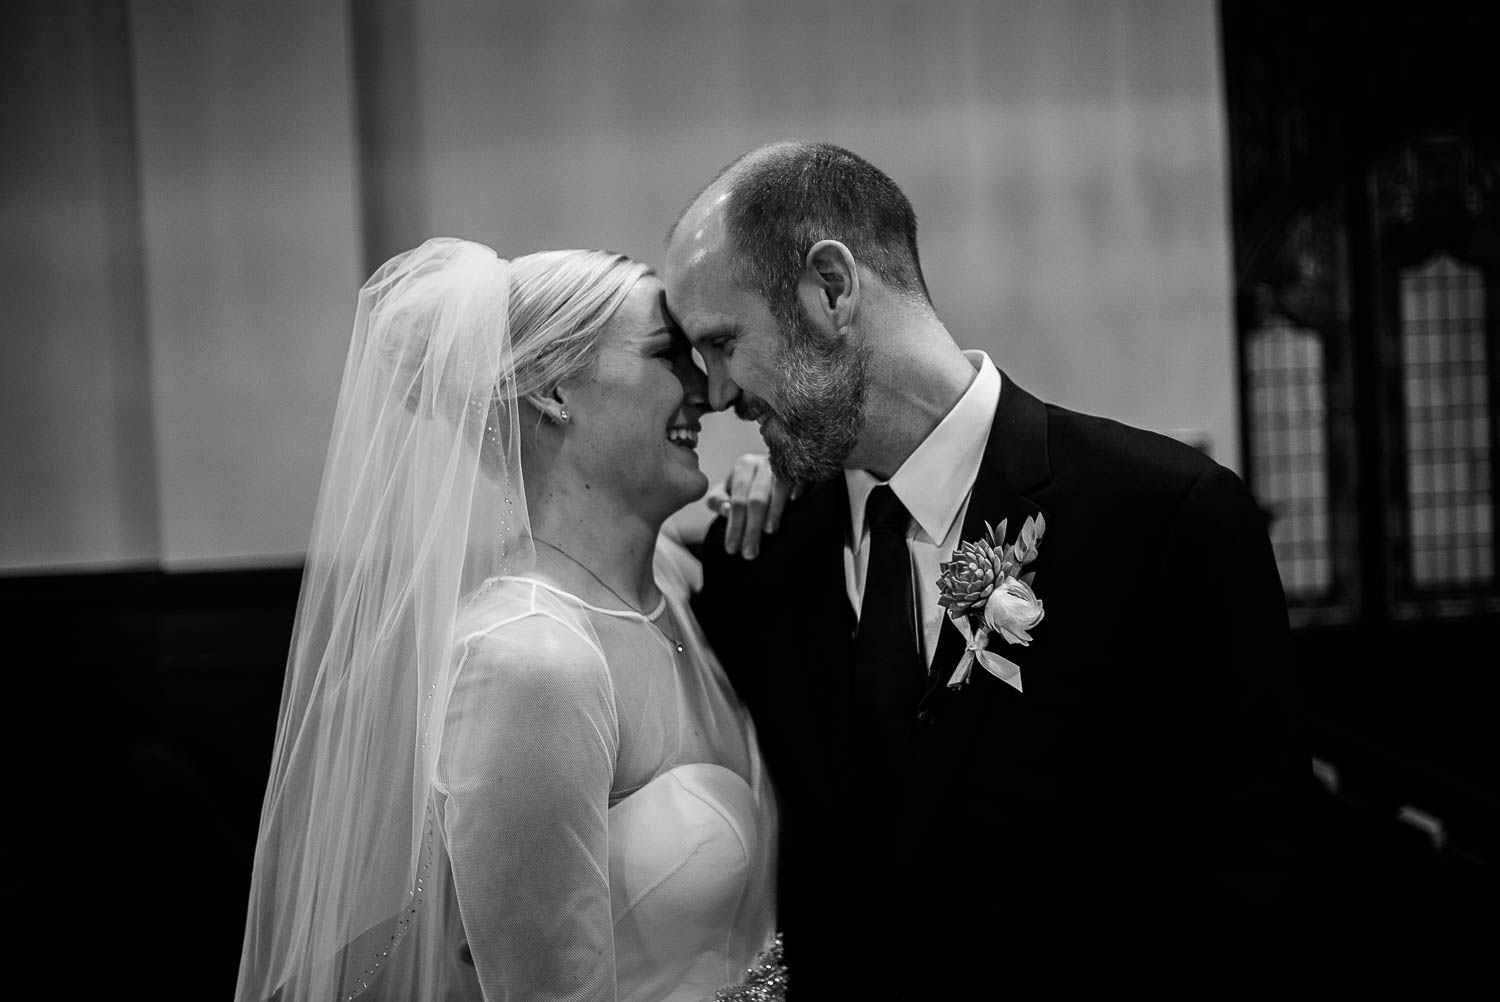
(651, 622)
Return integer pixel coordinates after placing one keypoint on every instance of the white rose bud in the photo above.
(1012, 609)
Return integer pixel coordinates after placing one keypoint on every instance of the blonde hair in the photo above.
(560, 303)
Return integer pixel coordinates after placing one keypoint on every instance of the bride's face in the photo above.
(635, 420)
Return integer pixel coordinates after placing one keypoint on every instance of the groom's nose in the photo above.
(722, 391)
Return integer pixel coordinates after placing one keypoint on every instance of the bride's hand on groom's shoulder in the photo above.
(752, 501)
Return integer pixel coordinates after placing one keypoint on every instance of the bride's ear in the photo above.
(829, 288)
(550, 406)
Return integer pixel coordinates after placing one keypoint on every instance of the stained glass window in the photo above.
(1445, 366)
(1289, 450)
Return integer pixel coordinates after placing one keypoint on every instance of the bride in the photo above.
(507, 765)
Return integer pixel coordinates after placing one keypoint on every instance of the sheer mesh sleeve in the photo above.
(523, 783)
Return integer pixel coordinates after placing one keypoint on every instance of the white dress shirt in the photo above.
(934, 483)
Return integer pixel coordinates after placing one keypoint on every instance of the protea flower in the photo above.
(970, 576)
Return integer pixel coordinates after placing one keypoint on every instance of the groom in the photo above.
(1116, 803)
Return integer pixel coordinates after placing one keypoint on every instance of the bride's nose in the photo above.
(694, 384)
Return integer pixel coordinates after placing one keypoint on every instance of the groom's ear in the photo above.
(830, 284)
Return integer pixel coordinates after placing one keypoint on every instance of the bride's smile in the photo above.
(635, 419)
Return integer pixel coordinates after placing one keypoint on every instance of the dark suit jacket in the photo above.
(1134, 814)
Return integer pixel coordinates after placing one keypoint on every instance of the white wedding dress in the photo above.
(604, 816)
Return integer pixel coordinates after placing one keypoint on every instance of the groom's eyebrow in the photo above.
(720, 330)
(716, 329)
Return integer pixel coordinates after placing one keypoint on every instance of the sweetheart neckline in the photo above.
(678, 768)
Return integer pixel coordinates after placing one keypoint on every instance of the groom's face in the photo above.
(805, 389)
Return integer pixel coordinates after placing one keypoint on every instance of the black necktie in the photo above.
(888, 669)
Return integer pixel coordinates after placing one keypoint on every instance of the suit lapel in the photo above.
(833, 664)
(816, 628)
(1015, 464)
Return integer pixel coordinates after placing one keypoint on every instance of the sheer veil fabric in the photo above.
(483, 786)
(421, 500)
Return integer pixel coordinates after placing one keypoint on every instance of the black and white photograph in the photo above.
(750, 500)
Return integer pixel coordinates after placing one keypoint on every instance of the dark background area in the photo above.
(1365, 142)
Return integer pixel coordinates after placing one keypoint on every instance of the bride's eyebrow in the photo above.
(666, 310)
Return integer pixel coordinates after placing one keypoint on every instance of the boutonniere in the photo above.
(986, 594)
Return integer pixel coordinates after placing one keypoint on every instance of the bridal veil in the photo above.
(421, 501)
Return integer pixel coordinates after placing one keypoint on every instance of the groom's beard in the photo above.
(819, 408)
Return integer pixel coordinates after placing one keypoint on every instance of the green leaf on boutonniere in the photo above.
(1029, 539)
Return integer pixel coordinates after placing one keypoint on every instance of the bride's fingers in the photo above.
(757, 504)
(781, 491)
(765, 499)
(718, 503)
(751, 501)
(749, 490)
(737, 484)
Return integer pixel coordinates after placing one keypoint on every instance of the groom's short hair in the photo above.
(784, 198)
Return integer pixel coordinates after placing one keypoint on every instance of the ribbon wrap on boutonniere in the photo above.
(986, 593)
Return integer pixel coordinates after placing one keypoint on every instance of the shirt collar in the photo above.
(936, 478)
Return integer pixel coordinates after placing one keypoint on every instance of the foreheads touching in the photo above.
(560, 304)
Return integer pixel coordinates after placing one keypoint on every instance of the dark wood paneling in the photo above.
(1398, 698)
(155, 698)
(162, 691)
